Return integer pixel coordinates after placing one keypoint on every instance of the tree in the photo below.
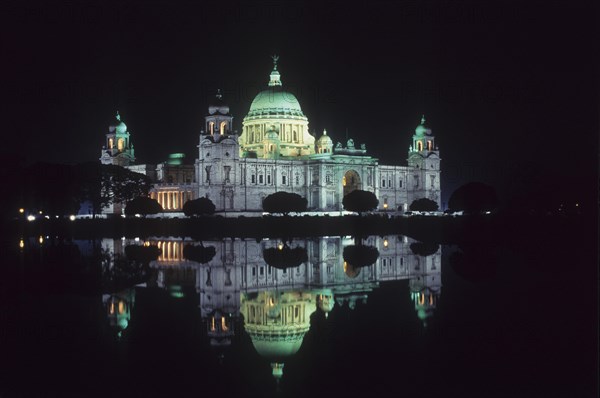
(200, 254)
(126, 184)
(360, 255)
(284, 202)
(424, 204)
(474, 198)
(285, 256)
(143, 205)
(142, 254)
(360, 201)
(102, 184)
(199, 207)
(424, 249)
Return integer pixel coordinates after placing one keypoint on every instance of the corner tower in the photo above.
(216, 168)
(118, 149)
(218, 121)
(424, 159)
(276, 110)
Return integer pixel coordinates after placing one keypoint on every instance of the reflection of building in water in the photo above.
(276, 304)
(425, 289)
(118, 308)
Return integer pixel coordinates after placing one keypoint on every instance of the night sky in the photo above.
(509, 89)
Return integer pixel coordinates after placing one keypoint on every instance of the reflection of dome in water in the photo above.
(277, 348)
(276, 323)
(325, 301)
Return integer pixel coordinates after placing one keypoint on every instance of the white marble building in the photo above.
(275, 152)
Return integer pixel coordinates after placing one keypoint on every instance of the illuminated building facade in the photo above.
(275, 152)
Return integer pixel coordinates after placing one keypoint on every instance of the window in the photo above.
(253, 179)
(260, 179)
(262, 271)
(269, 179)
(253, 271)
(283, 180)
(383, 183)
(297, 179)
(227, 170)
(390, 183)
(207, 169)
(400, 183)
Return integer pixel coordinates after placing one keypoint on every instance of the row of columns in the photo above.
(172, 200)
(170, 251)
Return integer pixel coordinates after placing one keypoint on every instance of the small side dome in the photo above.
(324, 140)
(422, 128)
(118, 126)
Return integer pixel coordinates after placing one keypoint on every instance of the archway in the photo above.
(350, 181)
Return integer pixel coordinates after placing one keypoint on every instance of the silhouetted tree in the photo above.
(52, 188)
(473, 197)
(199, 207)
(143, 205)
(102, 185)
(284, 202)
(360, 255)
(360, 201)
(424, 249)
(285, 257)
(424, 204)
(142, 254)
(200, 254)
(127, 185)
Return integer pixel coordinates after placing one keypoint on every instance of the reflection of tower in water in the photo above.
(118, 307)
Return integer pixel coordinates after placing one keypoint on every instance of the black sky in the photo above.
(508, 87)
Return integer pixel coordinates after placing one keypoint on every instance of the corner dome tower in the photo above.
(118, 148)
(279, 108)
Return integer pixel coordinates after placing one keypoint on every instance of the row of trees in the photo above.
(472, 198)
(57, 189)
(61, 189)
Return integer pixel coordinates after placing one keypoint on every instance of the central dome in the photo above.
(276, 102)
(276, 107)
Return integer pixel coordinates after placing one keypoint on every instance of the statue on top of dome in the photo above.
(275, 58)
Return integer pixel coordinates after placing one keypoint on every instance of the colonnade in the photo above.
(172, 200)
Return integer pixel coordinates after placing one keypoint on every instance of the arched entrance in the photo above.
(350, 181)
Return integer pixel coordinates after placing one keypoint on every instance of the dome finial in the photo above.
(118, 116)
(219, 95)
(422, 119)
(324, 132)
(275, 77)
